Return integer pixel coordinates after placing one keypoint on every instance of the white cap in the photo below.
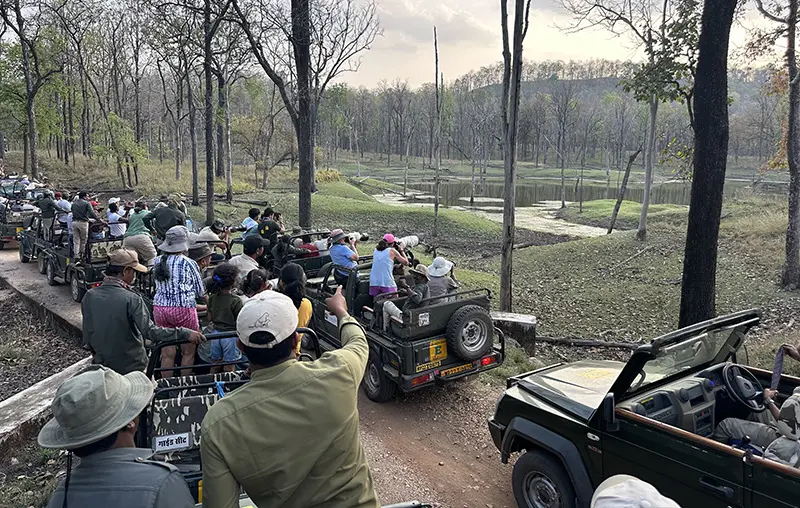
(268, 311)
(113, 200)
(625, 491)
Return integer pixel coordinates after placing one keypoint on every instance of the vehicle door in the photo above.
(689, 469)
(772, 485)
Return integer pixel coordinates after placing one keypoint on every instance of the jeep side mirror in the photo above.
(608, 416)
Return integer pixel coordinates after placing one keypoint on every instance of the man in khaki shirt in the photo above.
(290, 436)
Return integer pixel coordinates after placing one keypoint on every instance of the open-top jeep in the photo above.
(171, 424)
(447, 338)
(653, 417)
(58, 262)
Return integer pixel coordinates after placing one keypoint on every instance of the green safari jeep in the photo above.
(653, 417)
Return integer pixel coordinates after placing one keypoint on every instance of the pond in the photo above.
(529, 193)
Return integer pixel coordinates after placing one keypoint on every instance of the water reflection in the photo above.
(529, 193)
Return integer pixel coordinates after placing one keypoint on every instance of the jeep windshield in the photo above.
(700, 350)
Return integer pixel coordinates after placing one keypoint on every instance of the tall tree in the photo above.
(790, 276)
(698, 293)
(438, 149)
(512, 75)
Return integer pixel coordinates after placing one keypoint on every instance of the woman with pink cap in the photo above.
(381, 279)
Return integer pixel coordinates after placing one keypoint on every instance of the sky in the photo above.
(470, 37)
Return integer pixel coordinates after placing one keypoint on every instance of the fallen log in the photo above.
(581, 342)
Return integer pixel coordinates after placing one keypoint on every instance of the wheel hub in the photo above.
(373, 377)
(541, 492)
(473, 335)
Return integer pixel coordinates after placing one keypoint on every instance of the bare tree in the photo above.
(438, 146)
(512, 75)
(563, 104)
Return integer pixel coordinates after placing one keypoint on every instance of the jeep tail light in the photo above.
(488, 360)
(420, 380)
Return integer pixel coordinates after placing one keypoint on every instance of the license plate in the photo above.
(438, 350)
(457, 370)
(428, 366)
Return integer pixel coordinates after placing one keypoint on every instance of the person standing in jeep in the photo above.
(82, 212)
(245, 434)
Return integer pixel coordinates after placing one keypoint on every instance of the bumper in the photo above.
(496, 430)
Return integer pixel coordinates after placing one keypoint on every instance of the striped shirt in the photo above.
(184, 286)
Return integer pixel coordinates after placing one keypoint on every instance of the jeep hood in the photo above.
(578, 388)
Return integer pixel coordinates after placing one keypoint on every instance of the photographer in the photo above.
(344, 253)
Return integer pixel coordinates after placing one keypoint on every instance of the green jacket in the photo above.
(290, 436)
(116, 324)
(136, 224)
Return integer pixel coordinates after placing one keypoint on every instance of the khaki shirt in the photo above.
(290, 436)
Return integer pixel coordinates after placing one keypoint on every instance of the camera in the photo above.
(357, 237)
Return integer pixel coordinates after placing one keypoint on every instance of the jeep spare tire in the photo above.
(470, 333)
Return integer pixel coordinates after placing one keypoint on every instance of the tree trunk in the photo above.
(438, 150)
(221, 106)
(649, 161)
(228, 152)
(622, 189)
(209, 104)
(512, 75)
(25, 149)
(192, 136)
(710, 158)
(301, 33)
(791, 270)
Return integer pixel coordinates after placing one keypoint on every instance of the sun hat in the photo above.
(200, 251)
(389, 238)
(336, 235)
(126, 258)
(440, 267)
(421, 270)
(176, 240)
(205, 235)
(251, 244)
(111, 201)
(625, 491)
(93, 405)
(270, 312)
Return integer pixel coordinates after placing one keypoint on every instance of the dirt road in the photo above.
(430, 446)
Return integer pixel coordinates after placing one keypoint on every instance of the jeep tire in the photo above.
(539, 479)
(376, 384)
(76, 288)
(470, 333)
(50, 269)
(23, 258)
(41, 263)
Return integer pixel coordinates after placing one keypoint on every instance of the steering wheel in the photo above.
(743, 387)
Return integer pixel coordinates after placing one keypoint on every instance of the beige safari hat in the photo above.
(93, 405)
(126, 258)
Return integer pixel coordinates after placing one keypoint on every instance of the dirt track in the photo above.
(430, 446)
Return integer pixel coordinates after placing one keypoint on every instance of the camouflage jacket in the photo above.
(116, 323)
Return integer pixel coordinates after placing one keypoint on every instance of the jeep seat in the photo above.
(180, 415)
(198, 385)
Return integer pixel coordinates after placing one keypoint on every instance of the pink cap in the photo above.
(389, 238)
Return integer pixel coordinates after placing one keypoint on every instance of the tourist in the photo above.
(443, 281)
(292, 283)
(306, 243)
(49, 210)
(269, 227)
(253, 249)
(95, 417)
(162, 219)
(116, 224)
(314, 404)
(281, 252)
(343, 253)
(63, 203)
(137, 237)
(250, 224)
(416, 296)
(178, 287)
(116, 321)
(223, 308)
(257, 281)
(381, 278)
(82, 213)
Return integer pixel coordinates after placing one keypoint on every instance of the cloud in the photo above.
(413, 20)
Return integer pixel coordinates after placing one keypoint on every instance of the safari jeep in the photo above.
(653, 417)
(448, 338)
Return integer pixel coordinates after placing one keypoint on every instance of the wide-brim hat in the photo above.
(93, 405)
(176, 240)
(421, 270)
(440, 267)
(337, 234)
(200, 251)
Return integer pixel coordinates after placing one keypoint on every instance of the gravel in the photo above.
(29, 351)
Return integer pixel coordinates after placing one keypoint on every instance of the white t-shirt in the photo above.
(117, 229)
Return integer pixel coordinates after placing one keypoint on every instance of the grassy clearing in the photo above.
(598, 213)
(30, 477)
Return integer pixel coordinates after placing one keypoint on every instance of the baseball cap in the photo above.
(389, 238)
(625, 491)
(113, 200)
(126, 258)
(270, 312)
(253, 243)
(58, 194)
